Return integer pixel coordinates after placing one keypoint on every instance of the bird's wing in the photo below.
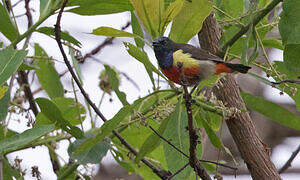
(197, 53)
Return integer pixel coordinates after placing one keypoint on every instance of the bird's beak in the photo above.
(155, 42)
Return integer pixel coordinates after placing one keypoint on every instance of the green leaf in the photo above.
(92, 155)
(171, 12)
(24, 67)
(150, 13)
(47, 75)
(7, 28)
(45, 7)
(210, 168)
(233, 7)
(214, 139)
(190, 19)
(8, 171)
(108, 31)
(4, 102)
(76, 65)
(118, 156)
(136, 29)
(50, 31)
(251, 40)
(3, 90)
(92, 7)
(152, 142)
(210, 82)
(68, 172)
(291, 58)
(12, 143)
(6, 134)
(289, 24)
(52, 112)
(135, 135)
(105, 129)
(273, 43)
(261, 79)
(230, 154)
(71, 111)
(177, 134)
(10, 60)
(114, 82)
(272, 111)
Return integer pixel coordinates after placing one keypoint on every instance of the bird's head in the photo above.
(162, 44)
(163, 51)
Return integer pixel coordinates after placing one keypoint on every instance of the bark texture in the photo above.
(253, 151)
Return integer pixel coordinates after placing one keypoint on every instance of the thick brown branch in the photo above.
(159, 172)
(240, 125)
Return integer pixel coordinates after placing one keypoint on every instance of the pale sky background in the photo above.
(117, 56)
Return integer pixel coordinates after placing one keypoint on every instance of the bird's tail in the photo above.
(228, 68)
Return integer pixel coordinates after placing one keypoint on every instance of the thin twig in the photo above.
(130, 80)
(177, 172)
(177, 149)
(167, 141)
(289, 162)
(159, 172)
(16, 3)
(286, 81)
(29, 17)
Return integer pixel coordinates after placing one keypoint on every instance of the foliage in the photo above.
(61, 117)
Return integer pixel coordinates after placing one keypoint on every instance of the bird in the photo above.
(188, 65)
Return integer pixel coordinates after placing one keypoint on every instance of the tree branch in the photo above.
(286, 81)
(290, 160)
(253, 151)
(198, 168)
(159, 172)
(23, 82)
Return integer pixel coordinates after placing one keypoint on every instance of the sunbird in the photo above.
(185, 64)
